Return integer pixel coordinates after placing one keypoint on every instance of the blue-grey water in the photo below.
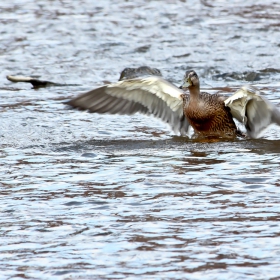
(87, 196)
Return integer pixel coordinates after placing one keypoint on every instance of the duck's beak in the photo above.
(186, 84)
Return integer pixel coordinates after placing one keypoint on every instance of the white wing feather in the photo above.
(151, 95)
(253, 110)
(143, 90)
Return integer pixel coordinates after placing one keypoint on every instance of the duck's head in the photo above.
(190, 80)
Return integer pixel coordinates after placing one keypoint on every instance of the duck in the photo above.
(183, 108)
(205, 112)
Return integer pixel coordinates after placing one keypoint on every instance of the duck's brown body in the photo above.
(207, 113)
(208, 116)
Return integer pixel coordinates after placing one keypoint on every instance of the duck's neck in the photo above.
(194, 92)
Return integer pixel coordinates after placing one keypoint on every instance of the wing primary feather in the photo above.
(150, 95)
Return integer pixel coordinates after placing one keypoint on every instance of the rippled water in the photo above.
(87, 196)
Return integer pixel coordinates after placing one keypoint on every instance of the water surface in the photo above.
(86, 196)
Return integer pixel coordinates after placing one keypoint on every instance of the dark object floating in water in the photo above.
(142, 71)
(209, 114)
(36, 83)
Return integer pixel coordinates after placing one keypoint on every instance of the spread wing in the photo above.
(150, 95)
(253, 110)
